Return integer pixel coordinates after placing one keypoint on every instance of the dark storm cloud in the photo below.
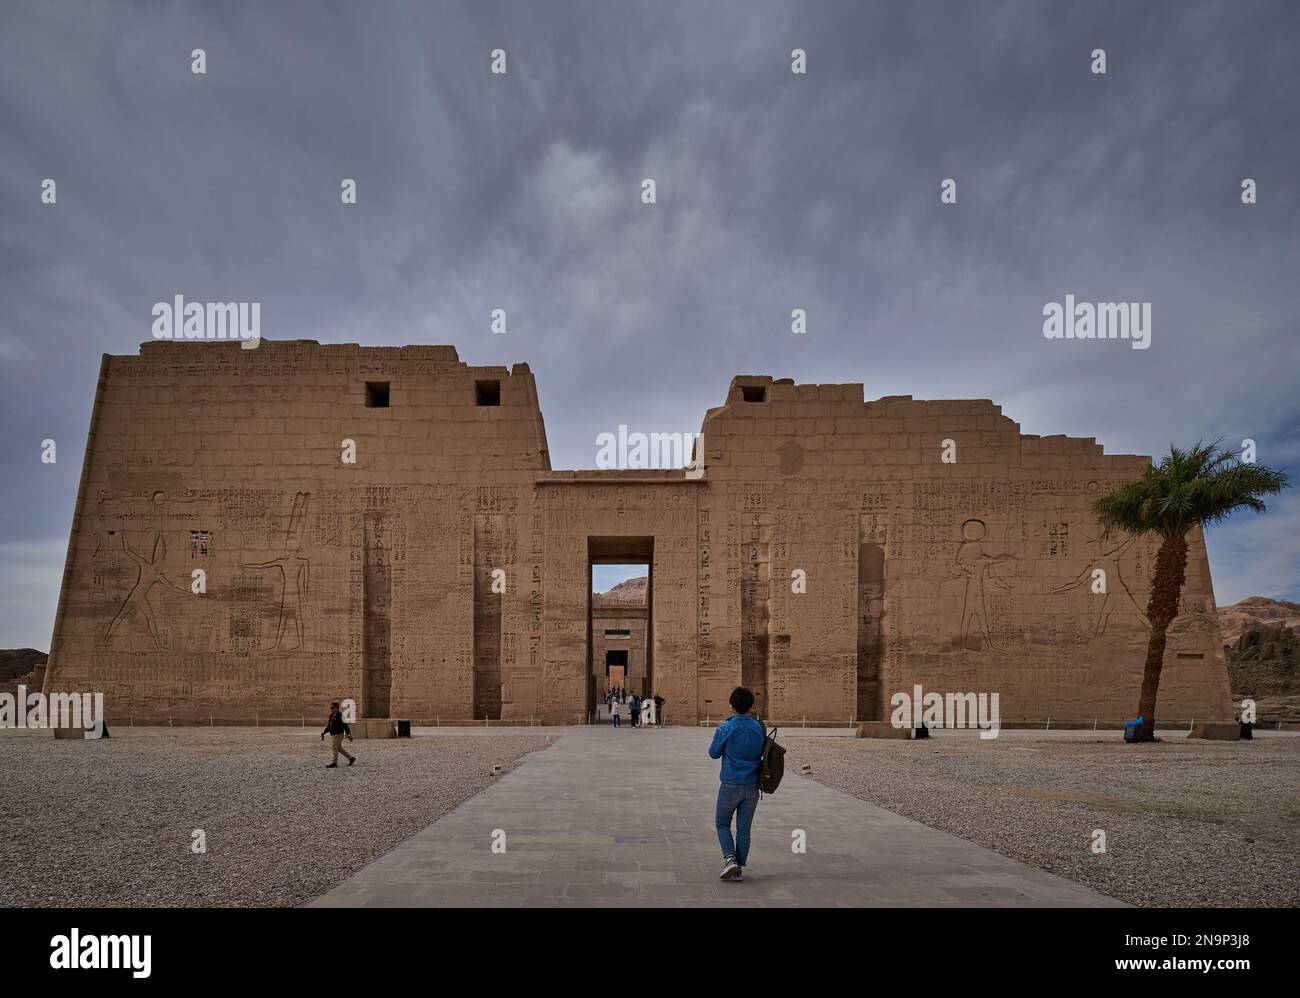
(775, 192)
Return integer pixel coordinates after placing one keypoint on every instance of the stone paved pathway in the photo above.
(624, 818)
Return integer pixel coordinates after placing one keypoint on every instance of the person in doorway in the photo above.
(659, 710)
(336, 728)
(738, 742)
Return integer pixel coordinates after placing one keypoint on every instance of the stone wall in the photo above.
(828, 556)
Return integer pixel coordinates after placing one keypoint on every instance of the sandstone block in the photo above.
(373, 727)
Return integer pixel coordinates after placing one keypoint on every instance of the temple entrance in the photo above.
(615, 669)
(619, 618)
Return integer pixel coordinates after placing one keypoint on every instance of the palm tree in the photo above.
(1185, 490)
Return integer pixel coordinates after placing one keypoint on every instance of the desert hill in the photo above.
(18, 662)
(1237, 618)
(629, 592)
(1262, 645)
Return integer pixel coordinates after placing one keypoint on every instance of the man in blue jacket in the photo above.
(738, 742)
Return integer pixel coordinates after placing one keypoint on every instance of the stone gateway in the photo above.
(824, 551)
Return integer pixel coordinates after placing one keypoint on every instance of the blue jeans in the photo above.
(742, 801)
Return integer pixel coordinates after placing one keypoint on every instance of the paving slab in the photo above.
(624, 818)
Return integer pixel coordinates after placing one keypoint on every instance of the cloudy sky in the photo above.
(775, 191)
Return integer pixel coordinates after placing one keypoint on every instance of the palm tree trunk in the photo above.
(1166, 593)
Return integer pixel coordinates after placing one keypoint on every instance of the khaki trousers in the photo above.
(336, 743)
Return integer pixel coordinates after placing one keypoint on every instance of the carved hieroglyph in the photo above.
(147, 577)
(827, 557)
(293, 572)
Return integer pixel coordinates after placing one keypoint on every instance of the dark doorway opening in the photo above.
(615, 669)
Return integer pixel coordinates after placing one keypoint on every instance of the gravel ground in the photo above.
(110, 822)
(1201, 824)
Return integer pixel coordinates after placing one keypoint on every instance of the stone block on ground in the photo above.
(374, 727)
(881, 729)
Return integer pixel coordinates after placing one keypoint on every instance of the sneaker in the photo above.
(332, 765)
(730, 871)
(740, 874)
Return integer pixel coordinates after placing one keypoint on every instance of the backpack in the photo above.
(771, 765)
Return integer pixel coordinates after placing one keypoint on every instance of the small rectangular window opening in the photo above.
(376, 394)
(487, 393)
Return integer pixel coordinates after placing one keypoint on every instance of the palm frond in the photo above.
(1200, 485)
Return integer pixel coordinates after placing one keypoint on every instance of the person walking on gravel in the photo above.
(336, 728)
